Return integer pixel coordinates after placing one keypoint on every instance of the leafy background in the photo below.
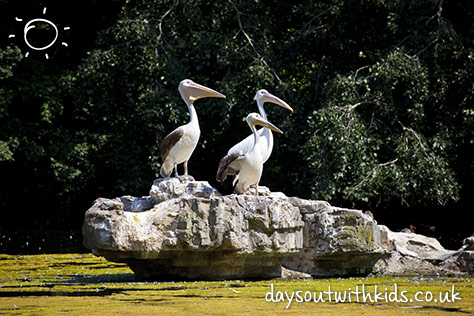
(382, 91)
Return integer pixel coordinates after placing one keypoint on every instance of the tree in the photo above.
(382, 92)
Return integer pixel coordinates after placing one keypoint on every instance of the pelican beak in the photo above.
(273, 99)
(267, 124)
(197, 91)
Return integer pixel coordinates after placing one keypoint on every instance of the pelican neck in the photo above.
(266, 131)
(255, 136)
(193, 118)
(261, 109)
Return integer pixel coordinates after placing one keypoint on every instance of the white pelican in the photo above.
(246, 144)
(248, 165)
(179, 145)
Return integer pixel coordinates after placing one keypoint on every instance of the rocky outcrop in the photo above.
(337, 241)
(465, 258)
(418, 254)
(186, 229)
(415, 254)
(344, 242)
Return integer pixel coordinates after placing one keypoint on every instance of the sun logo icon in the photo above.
(32, 24)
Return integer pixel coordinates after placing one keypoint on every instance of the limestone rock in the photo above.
(137, 204)
(461, 261)
(343, 242)
(413, 254)
(292, 274)
(465, 261)
(168, 188)
(186, 229)
(193, 232)
(468, 243)
(337, 241)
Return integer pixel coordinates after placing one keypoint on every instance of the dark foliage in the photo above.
(383, 94)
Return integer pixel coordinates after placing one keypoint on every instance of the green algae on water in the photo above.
(81, 284)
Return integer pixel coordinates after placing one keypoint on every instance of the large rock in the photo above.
(186, 229)
(418, 254)
(415, 254)
(464, 257)
(337, 241)
(343, 242)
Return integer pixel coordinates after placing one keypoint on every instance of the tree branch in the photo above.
(251, 42)
(160, 40)
(420, 142)
(372, 173)
(308, 24)
(438, 13)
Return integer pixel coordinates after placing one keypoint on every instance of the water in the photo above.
(39, 242)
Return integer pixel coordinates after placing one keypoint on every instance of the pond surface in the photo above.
(81, 284)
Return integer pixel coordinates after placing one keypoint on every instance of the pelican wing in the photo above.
(229, 165)
(245, 145)
(170, 141)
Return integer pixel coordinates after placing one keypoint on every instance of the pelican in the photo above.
(179, 145)
(246, 144)
(248, 165)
